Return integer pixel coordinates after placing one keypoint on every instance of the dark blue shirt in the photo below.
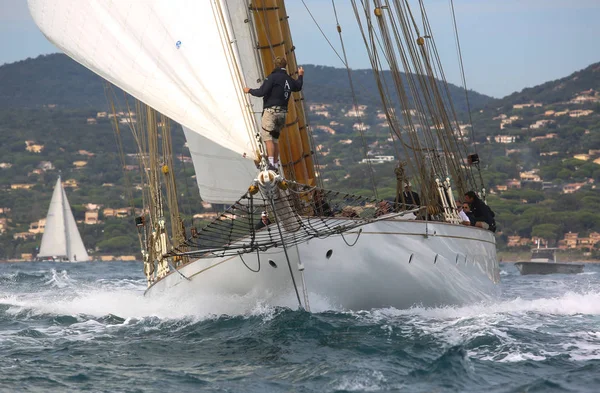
(277, 87)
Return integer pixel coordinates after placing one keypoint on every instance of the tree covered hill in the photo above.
(558, 90)
(57, 80)
(540, 153)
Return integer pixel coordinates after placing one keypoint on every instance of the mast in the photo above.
(275, 40)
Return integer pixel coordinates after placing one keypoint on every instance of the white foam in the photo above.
(364, 381)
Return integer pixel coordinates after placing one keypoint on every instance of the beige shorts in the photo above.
(482, 224)
(272, 122)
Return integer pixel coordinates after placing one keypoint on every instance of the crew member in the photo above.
(276, 91)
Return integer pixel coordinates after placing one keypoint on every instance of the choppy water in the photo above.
(86, 327)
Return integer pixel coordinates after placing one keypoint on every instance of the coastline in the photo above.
(521, 256)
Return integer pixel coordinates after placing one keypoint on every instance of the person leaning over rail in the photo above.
(483, 216)
(276, 91)
(464, 212)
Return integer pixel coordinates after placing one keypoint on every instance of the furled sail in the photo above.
(61, 237)
(179, 57)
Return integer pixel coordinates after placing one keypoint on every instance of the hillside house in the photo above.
(361, 126)
(582, 157)
(505, 138)
(354, 113)
(100, 115)
(541, 124)
(570, 239)
(346, 141)
(91, 120)
(512, 151)
(513, 184)
(21, 186)
(205, 216)
(529, 105)
(91, 217)
(318, 107)
(517, 241)
(530, 176)
(580, 113)
(326, 129)
(33, 147)
(85, 153)
(70, 183)
(544, 137)
(561, 113)
(3, 225)
(37, 226)
(322, 113)
(590, 241)
(549, 153)
(377, 160)
(79, 164)
(572, 187)
(46, 166)
(5, 165)
(23, 235)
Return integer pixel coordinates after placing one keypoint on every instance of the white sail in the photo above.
(54, 241)
(179, 57)
(61, 239)
(76, 251)
(222, 175)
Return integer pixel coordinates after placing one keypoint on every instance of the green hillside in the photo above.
(57, 80)
(540, 152)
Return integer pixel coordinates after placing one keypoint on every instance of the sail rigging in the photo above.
(189, 61)
(61, 239)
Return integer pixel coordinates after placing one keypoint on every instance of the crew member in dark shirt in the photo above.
(483, 216)
(408, 198)
(276, 91)
(264, 221)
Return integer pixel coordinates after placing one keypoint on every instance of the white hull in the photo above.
(395, 263)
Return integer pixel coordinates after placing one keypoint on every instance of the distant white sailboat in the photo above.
(61, 240)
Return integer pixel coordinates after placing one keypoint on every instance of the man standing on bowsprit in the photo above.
(276, 91)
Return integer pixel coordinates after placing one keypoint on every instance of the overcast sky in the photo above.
(507, 44)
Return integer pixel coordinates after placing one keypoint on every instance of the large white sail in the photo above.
(61, 239)
(177, 56)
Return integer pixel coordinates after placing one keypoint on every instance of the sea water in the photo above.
(88, 327)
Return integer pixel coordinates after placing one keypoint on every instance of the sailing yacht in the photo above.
(189, 60)
(61, 241)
